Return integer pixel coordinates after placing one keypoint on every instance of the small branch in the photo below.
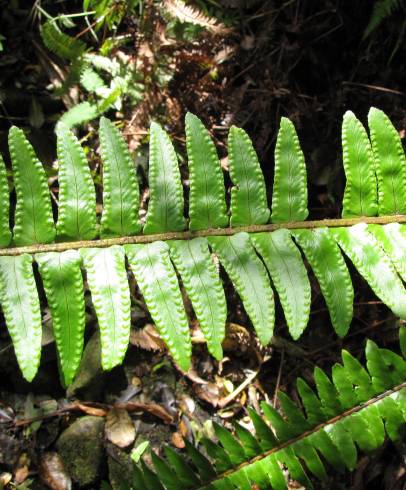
(98, 410)
(229, 398)
(187, 235)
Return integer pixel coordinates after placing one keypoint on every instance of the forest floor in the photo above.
(304, 60)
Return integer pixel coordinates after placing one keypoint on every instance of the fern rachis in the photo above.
(254, 253)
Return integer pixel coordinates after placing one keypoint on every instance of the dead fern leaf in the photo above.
(187, 13)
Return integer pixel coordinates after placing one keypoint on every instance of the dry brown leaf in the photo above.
(53, 473)
(119, 428)
(22, 470)
(236, 337)
(152, 408)
(208, 392)
(183, 428)
(193, 376)
(89, 410)
(177, 440)
(147, 338)
(187, 13)
(5, 479)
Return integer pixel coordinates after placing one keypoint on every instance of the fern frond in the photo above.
(351, 414)
(186, 13)
(78, 114)
(381, 10)
(61, 44)
(91, 80)
(258, 257)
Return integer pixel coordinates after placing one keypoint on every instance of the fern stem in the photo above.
(187, 235)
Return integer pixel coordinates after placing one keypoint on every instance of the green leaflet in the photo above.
(5, 234)
(92, 81)
(249, 203)
(250, 279)
(330, 269)
(327, 393)
(392, 238)
(203, 286)
(33, 215)
(302, 444)
(289, 198)
(78, 114)
(158, 283)
(21, 308)
(285, 265)
(77, 195)
(373, 264)
(360, 196)
(120, 186)
(207, 206)
(390, 163)
(165, 208)
(107, 278)
(310, 401)
(186, 476)
(63, 284)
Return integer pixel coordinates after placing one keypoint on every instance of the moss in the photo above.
(81, 449)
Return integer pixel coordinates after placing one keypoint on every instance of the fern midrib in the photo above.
(283, 445)
(188, 234)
